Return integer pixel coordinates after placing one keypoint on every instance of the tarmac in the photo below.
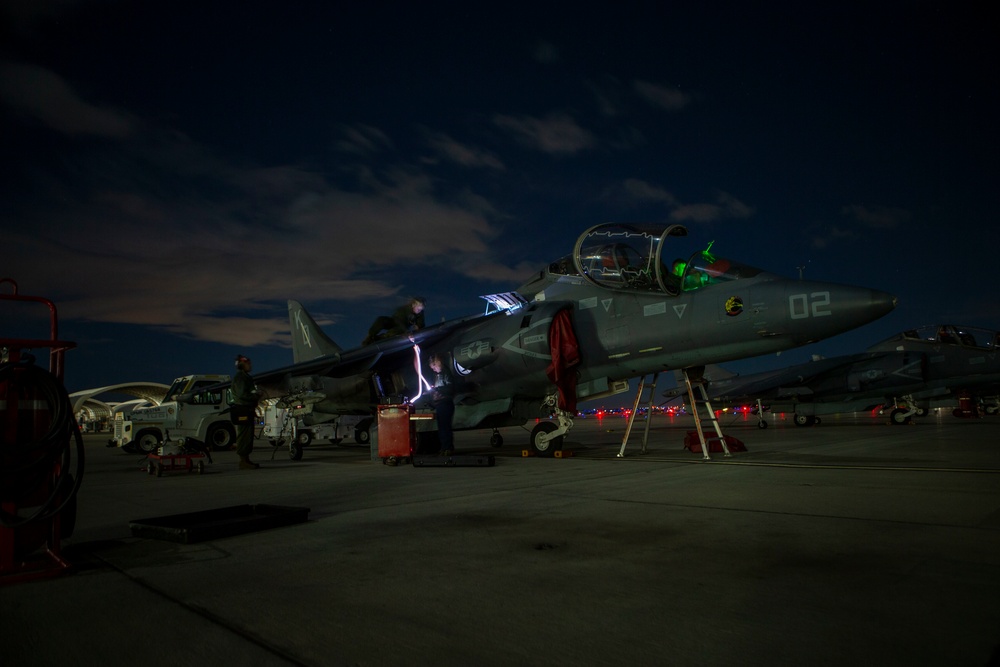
(851, 542)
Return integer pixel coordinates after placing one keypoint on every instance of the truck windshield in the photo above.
(203, 398)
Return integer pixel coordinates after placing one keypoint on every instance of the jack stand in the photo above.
(711, 416)
(635, 409)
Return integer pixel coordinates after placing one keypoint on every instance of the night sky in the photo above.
(173, 172)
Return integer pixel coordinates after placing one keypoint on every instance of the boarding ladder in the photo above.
(699, 385)
(635, 411)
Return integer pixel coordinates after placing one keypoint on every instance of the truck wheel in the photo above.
(303, 438)
(220, 436)
(361, 434)
(147, 440)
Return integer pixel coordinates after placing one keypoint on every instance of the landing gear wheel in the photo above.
(762, 424)
(496, 440)
(804, 420)
(921, 412)
(543, 447)
(303, 438)
(898, 417)
(295, 450)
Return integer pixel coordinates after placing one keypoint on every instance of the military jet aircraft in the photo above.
(616, 308)
(911, 371)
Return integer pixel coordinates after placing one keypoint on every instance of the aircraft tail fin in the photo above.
(308, 340)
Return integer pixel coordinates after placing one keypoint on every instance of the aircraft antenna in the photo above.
(802, 268)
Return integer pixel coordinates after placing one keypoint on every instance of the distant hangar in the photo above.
(89, 407)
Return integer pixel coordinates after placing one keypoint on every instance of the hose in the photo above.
(26, 466)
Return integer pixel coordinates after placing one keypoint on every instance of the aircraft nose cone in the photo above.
(820, 310)
(860, 305)
(882, 303)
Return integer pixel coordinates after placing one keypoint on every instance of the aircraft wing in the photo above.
(367, 357)
(795, 381)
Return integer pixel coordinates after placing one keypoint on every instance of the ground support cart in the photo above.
(397, 432)
(157, 464)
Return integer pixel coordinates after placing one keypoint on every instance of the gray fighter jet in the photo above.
(628, 301)
(907, 373)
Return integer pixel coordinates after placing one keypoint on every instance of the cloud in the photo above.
(43, 96)
(877, 217)
(158, 230)
(833, 234)
(643, 191)
(725, 207)
(868, 217)
(665, 97)
(363, 139)
(557, 134)
(461, 154)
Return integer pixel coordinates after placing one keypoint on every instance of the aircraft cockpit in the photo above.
(948, 334)
(634, 257)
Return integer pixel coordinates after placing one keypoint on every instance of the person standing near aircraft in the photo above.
(406, 319)
(245, 396)
(443, 400)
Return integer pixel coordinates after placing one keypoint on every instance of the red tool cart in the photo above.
(397, 432)
(37, 428)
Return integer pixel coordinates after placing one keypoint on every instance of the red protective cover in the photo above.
(565, 359)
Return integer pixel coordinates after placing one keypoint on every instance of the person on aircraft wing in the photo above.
(406, 319)
(443, 400)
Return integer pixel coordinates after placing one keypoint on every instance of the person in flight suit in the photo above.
(443, 401)
(406, 319)
(245, 396)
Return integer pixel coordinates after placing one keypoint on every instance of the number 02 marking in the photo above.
(801, 306)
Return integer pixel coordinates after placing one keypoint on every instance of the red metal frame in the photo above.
(14, 564)
(157, 464)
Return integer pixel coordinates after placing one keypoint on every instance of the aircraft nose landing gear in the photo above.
(547, 438)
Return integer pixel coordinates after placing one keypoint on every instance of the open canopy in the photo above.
(641, 257)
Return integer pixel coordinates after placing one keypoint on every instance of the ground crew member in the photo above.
(443, 400)
(245, 396)
(406, 319)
